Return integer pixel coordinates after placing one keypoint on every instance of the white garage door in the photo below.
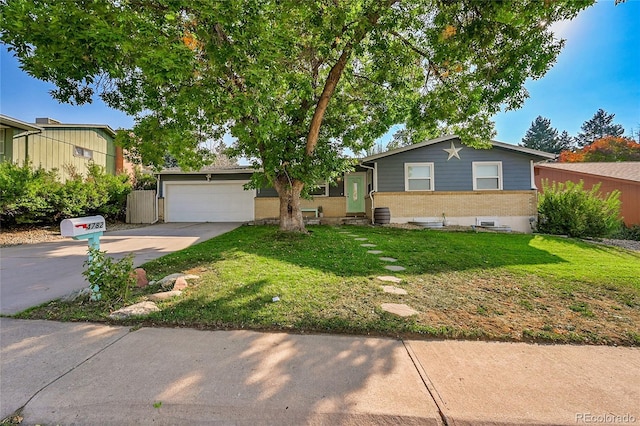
(222, 201)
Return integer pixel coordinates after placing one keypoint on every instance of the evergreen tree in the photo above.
(542, 136)
(566, 141)
(598, 127)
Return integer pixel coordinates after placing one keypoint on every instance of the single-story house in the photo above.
(51, 144)
(426, 181)
(622, 176)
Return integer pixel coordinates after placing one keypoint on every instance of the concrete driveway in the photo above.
(37, 273)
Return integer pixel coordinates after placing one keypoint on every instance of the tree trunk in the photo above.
(290, 213)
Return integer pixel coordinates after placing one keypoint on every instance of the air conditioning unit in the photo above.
(487, 221)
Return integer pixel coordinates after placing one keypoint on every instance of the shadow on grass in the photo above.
(331, 250)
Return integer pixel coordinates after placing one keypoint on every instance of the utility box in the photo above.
(81, 226)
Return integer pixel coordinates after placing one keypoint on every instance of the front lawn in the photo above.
(463, 284)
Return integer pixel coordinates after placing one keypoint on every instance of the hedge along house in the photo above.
(57, 146)
(442, 180)
(421, 182)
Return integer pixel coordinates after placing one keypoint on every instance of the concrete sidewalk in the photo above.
(70, 373)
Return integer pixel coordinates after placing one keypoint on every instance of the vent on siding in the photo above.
(487, 221)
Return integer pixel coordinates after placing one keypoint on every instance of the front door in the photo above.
(354, 190)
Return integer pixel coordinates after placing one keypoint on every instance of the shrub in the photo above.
(109, 280)
(30, 195)
(628, 232)
(568, 209)
(27, 195)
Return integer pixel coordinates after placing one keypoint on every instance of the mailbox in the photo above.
(81, 226)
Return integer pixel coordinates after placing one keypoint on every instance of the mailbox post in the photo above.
(89, 228)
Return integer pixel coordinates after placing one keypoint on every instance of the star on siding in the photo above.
(453, 151)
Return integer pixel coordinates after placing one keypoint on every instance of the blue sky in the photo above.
(598, 68)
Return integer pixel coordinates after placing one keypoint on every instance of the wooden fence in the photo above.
(141, 206)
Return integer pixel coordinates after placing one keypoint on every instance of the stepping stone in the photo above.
(361, 239)
(399, 309)
(343, 232)
(156, 297)
(352, 235)
(388, 259)
(374, 251)
(394, 268)
(367, 245)
(393, 290)
(390, 279)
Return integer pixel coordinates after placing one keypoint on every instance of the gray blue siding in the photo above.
(454, 174)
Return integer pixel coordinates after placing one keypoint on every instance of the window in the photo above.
(1, 141)
(320, 190)
(418, 176)
(78, 151)
(487, 175)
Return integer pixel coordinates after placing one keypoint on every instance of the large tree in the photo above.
(295, 82)
(600, 125)
(543, 137)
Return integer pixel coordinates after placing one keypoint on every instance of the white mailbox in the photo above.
(80, 226)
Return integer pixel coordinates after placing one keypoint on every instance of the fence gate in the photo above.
(141, 206)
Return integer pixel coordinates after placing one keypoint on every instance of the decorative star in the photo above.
(453, 151)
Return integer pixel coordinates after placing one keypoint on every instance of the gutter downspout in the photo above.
(375, 187)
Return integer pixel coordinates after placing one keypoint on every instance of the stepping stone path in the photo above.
(399, 309)
(394, 268)
(390, 279)
(352, 235)
(393, 290)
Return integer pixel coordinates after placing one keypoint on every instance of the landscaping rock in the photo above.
(137, 310)
(388, 259)
(390, 279)
(393, 290)
(180, 284)
(401, 310)
(374, 251)
(164, 295)
(394, 268)
(141, 277)
(169, 280)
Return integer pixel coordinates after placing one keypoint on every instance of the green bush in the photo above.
(628, 232)
(109, 280)
(36, 196)
(27, 195)
(568, 209)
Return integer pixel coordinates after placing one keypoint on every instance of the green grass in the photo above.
(464, 285)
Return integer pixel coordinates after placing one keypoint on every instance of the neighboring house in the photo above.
(53, 145)
(623, 176)
(420, 182)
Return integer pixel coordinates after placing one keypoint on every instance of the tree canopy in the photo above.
(294, 82)
(600, 125)
(609, 148)
(543, 137)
